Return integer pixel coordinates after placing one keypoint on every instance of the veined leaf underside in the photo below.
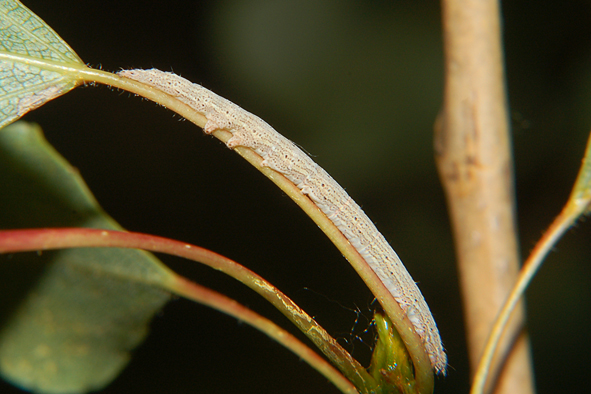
(23, 37)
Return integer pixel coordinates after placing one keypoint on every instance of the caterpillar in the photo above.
(283, 156)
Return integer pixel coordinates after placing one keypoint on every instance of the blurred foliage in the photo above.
(70, 318)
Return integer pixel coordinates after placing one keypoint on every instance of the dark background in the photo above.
(358, 84)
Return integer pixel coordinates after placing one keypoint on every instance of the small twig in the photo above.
(58, 238)
(577, 205)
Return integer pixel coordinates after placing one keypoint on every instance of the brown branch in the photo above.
(473, 156)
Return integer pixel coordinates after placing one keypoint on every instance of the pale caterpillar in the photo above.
(283, 156)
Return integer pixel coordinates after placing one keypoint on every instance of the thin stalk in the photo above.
(220, 302)
(577, 205)
(531, 266)
(47, 239)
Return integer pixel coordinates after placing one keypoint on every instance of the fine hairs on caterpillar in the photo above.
(283, 156)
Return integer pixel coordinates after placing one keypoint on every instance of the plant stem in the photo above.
(577, 205)
(220, 302)
(59, 238)
(530, 267)
(474, 161)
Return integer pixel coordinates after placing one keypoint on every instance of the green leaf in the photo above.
(68, 318)
(32, 61)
